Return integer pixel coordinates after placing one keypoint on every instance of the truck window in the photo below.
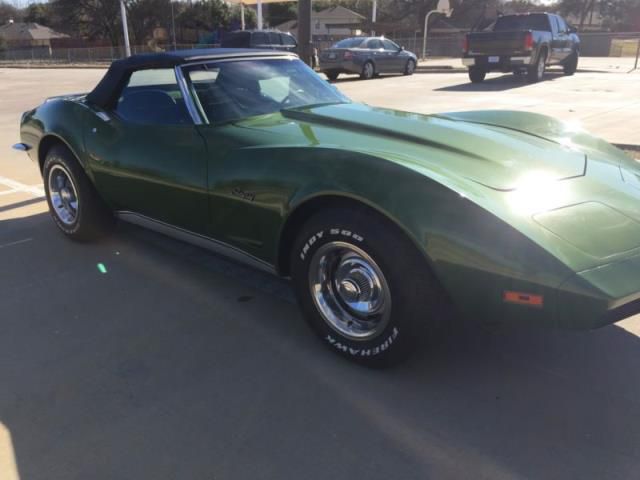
(522, 22)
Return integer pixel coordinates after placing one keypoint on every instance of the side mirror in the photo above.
(572, 29)
(401, 49)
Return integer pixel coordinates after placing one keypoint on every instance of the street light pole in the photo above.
(259, 12)
(304, 30)
(125, 28)
(373, 17)
(173, 27)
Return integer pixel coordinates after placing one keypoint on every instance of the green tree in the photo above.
(145, 15)
(38, 13)
(277, 13)
(92, 19)
(206, 15)
(8, 12)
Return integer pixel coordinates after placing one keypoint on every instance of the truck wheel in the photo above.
(332, 75)
(536, 71)
(368, 70)
(477, 74)
(364, 300)
(75, 206)
(570, 65)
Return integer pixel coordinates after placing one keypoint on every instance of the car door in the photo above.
(564, 39)
(380, 57)
(556, 45)
(397, 56)
(146, 154)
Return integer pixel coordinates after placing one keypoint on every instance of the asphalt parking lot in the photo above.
(175, 363)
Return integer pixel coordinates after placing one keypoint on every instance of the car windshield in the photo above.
(348, 43)
(522, 22)
(233, 90)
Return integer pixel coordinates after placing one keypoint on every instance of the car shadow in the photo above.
(176, 363)
(507, 81)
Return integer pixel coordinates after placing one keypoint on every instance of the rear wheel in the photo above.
(368, 70)
(410, 67)
(365, 301)
(74, 204)
(477, 74)
(536, 71)
(332, 75)
(570, 65)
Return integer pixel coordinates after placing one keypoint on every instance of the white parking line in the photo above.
(17, 242)
(17, 187)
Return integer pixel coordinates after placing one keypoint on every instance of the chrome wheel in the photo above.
(63, 194)
(350, 291)
(411, 66)
(367, 70)
(541, 66)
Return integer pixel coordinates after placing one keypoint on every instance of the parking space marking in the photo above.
(17, 187)
(17, 242)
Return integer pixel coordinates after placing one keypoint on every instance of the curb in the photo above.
(53, 65)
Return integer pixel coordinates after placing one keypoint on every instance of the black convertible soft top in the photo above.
(105, 92)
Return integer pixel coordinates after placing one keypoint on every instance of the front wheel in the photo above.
(410, 67)
(477, 74)
(368, 71)
(364, 300)
(332, 75)
(570, 65)
(74, 204)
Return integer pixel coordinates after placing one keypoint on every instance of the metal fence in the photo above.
(449, 46)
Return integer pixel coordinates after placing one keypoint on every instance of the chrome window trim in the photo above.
(193, 100)
(188, 98)
(239, 58)
(216, 246)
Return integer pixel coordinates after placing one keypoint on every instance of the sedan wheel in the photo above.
(365, 301)
(410, 68)
(368, 71)
(74, 204)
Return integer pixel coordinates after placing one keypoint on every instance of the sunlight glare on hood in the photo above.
(538, 192)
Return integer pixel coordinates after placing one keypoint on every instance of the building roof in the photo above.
(19, 31)
(335, 14)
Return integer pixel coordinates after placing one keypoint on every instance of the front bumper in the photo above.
(600, 296)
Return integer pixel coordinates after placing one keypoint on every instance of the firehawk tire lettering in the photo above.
(364, 352)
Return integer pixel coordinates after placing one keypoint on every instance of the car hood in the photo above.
(485, 152)
(566, 190)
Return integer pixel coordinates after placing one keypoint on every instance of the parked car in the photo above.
(382, 219)
(522, 43)
(265, 39)
(366, 56)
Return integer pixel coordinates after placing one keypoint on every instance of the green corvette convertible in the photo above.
(382, 219)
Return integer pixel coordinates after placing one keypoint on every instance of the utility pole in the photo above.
(304, 30)
(373, 17)
(259, 14)
(125, 28)
(173, 27)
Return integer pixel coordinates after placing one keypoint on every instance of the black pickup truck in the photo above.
(520, 43)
